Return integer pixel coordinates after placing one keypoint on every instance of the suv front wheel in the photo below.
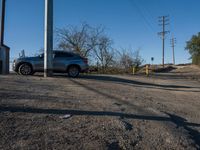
(25, 69)
(73, 71)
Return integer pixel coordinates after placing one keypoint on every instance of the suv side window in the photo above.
(62, 55)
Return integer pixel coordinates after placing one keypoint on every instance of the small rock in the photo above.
(67, 116)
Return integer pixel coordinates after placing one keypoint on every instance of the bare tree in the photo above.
(81, 40)
(92, 42)
(104, 52)
(126, 59)
(129, 58)
(137, 59)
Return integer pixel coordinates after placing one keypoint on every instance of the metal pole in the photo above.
(3, 7)
(163, 38)
(48, 39)
(173, 41)
(164, 21)
(173, 55)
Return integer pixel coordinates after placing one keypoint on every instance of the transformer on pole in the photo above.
(48, 39)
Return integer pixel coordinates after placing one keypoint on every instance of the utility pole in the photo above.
(48, 39)
(163, 20)
(3, 7)
(173, 42)
(4, 50)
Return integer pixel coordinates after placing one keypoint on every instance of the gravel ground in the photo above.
(104, 112)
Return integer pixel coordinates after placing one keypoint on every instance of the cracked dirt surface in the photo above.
(106, 112)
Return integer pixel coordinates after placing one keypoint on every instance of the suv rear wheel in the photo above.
(25, 69)
(73, 71)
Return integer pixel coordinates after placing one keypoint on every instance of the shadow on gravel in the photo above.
(121, 80)
(139, 84)
(181, 122)
(178, 121)
(107, 95)
(105, 78)
(181, 75)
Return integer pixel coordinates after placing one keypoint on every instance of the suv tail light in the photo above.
(85, 60)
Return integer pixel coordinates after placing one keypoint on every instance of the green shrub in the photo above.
(196, 60)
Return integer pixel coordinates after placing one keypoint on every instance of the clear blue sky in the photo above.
(130, 23)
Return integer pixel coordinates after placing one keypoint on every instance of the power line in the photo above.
(141, 13)
(147, 12)
(163, 20)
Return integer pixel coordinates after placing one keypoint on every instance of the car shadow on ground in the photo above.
(177, 120)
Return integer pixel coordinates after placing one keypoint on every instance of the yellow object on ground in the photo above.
(134, 70)
(147, 70)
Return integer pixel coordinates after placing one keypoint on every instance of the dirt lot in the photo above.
(106, 111)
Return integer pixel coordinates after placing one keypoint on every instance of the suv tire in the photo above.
(25, 69)
(73, 71)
